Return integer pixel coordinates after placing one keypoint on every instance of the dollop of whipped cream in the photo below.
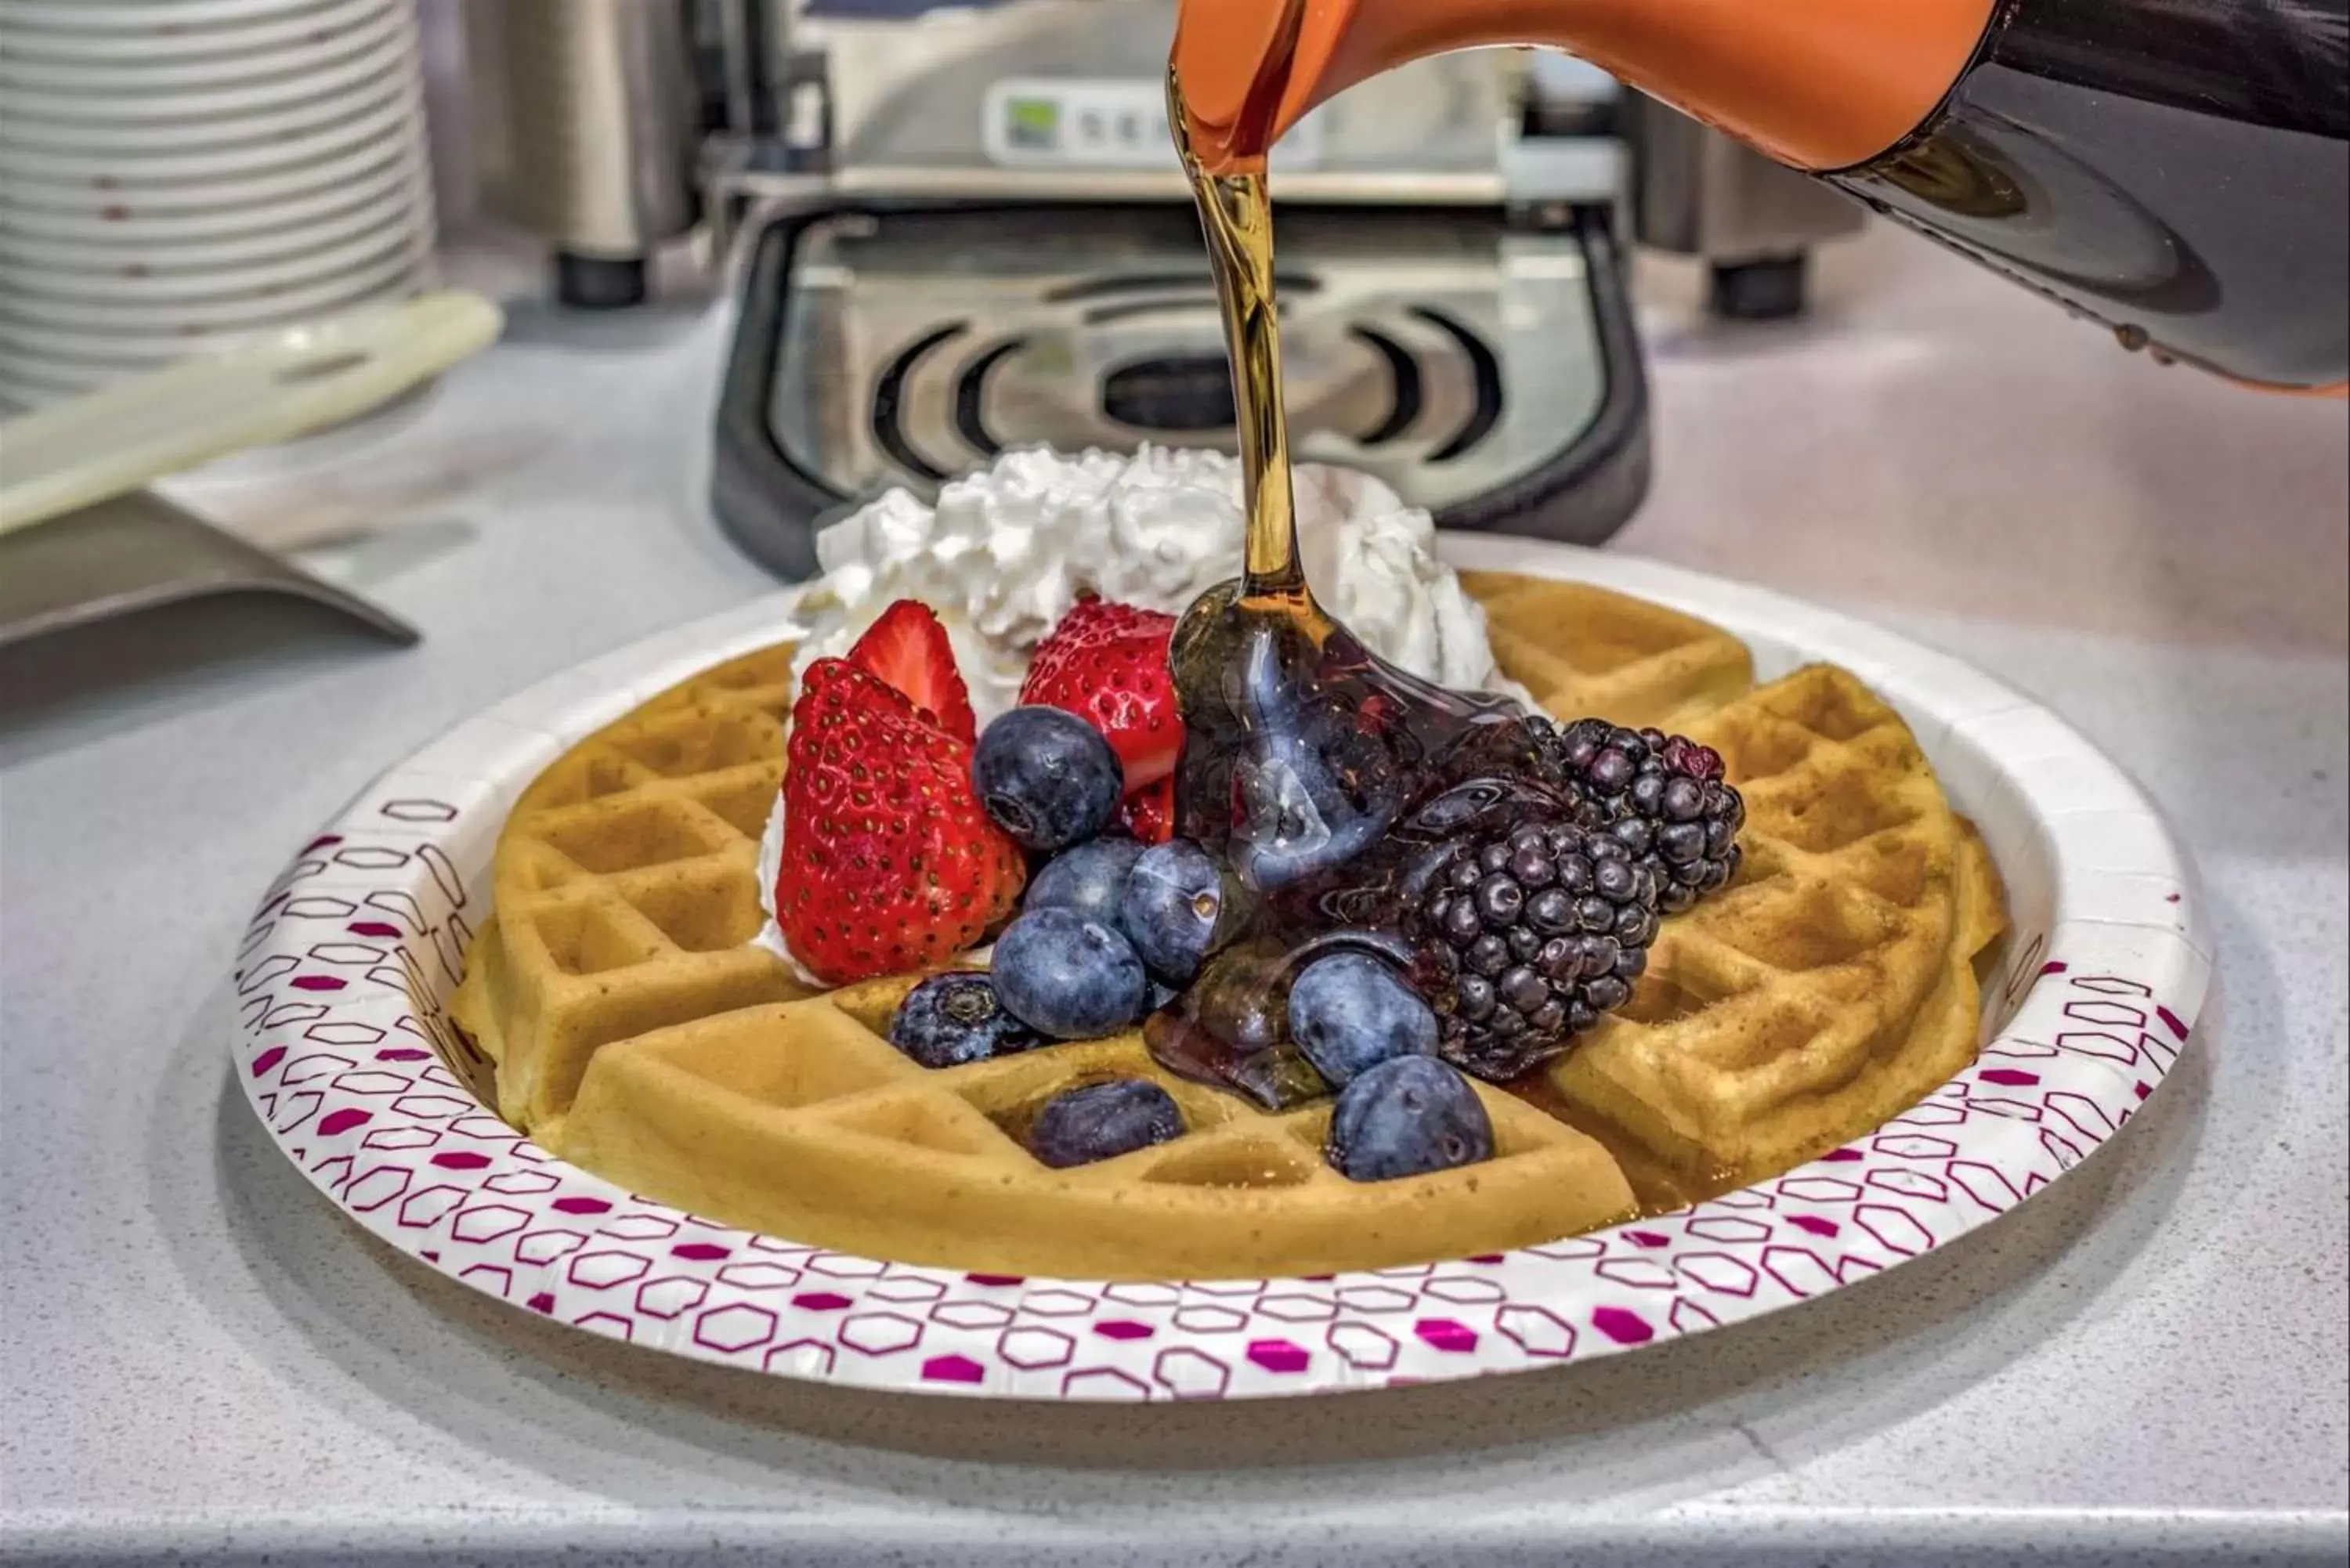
(1009, 548)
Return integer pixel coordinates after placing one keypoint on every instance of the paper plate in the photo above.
(240, 139)
(74, 31)
(127, 19)
(197, 266)
(140, 289)
(134, 331)
(183, 56)
(347, 964)
(192, 189)
(132, 227)
(349, 64)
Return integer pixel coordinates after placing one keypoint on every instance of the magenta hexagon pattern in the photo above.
(345, 1051)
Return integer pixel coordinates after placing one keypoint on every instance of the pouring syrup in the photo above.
(1313, 771)
(1306, 755)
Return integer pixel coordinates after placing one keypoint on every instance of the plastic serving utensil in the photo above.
(74, 454)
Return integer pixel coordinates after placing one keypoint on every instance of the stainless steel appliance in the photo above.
(590, 124)
(958, 230)
(1696, 192)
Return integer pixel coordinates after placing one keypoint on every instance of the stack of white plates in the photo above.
(176, 175)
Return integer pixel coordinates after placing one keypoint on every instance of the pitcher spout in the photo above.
(1818, 83)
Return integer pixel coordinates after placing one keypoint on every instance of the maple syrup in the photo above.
(1324, 779)
(1309, 763)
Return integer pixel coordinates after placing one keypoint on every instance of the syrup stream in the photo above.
(1236, 213)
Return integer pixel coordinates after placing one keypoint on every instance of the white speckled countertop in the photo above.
(200, 1360)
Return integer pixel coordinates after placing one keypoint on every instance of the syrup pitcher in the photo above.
(1346, 804)
(2175, 170)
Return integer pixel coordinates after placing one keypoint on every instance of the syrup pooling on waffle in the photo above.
(1826, 989)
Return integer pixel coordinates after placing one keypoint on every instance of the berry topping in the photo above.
(1108, 664)
(1047, 777)
(1348, 1012)
(1663, 798)
(1148, 813)
(1173, 904)
(950, 1019)
(1407, 1117)
(1102, 1121)
(1089, 877)
(889, 864)
(1525, 937)
(1068, 977)
(907, 648)
(1242, 998)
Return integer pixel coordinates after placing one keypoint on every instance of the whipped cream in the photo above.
(1009, 548)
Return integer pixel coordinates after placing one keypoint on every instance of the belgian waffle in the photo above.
(635, 1034)
(626, 885)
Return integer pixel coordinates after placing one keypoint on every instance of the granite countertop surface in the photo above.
(200, 1360)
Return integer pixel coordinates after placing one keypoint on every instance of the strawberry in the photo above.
(908, 649)
(1107, 663)
(890, 863)
(1148, 813)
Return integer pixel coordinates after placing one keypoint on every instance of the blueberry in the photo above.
(1294, 819)
(1102, 1121)
(949, 1020)
(1088, 878)
(1407, 1117)
(1067, 976)
(1174, 900)
(1349, 1011)
(1048, 778)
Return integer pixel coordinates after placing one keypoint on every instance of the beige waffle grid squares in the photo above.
(636, 1035)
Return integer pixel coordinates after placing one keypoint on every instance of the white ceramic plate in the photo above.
(350, 961)
(179, 55)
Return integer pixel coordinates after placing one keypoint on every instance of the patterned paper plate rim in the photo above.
(344, 972)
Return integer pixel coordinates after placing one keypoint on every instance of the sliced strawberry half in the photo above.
(1108, 663)
(890, 863)
(1149, 814)
(908, 649)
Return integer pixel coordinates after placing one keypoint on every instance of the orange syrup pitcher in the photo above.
(2178, 171)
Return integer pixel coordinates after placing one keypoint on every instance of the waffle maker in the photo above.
(964, 231)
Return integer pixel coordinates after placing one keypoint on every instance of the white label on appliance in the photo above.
(1070, 122)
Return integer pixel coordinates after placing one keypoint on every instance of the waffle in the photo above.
(1833, 983)
(626, 884)
(634, 1034)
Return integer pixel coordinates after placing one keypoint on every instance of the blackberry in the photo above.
(1661, 796)
(1524, 937)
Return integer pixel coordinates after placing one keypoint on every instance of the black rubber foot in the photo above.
(599, 283)
(1769, 290)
